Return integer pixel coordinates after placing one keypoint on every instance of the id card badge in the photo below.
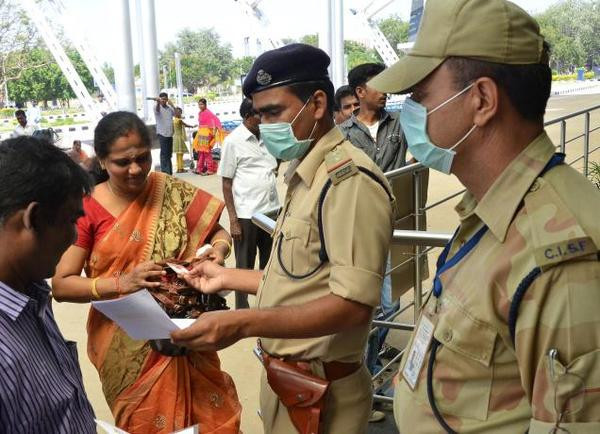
(418, 349)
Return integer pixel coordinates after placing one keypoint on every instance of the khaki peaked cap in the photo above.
(492, 30)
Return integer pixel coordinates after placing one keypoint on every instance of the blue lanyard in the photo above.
(443, 266)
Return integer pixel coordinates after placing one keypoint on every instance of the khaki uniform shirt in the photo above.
(357, 224)
(481, 381)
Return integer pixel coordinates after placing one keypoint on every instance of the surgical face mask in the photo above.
(413, 119)
(280, 141)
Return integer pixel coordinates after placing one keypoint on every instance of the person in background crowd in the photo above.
(164, 112)
(77, 154)
(210, 132)
(249, 187)
(346, 104)
(508, 340)
(41, 389)
(23, 128)
(133, 220)
(34, 114)
(179, 136)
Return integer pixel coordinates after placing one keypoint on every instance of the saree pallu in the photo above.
(149, 392)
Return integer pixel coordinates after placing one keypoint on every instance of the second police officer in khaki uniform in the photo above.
(316, 295)
(509, 339)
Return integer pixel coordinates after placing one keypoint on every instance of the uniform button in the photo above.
(287, 213)
(448, 335)
(535, 186)
(288, 233)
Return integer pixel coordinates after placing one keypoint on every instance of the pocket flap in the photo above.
(459, 331)
(294, 228)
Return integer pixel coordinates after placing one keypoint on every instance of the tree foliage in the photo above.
(205, 60)
(572, 28)
(395, 30)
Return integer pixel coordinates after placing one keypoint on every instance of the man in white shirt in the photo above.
(249, 175)
(163, 113)
(23, 129)
(34, 115)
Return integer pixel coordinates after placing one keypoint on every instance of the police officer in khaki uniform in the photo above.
(316, 295)
(509, 338)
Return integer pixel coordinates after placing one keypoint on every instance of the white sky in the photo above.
(288, 18)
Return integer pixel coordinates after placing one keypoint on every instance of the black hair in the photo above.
(305, 89)
(20, 112)
(202, 100)
(33, 170)
(163, 94)
(110, 128)
(341, 93)
(359, 75)
(527, 86)
(246, 109)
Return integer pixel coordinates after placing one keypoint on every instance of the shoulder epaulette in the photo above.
(339, 165)
(556, 235)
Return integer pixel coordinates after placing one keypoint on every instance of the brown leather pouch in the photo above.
(303, 394)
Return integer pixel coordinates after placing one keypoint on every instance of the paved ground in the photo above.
(238, 359)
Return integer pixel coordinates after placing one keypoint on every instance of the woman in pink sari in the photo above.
(210, 132)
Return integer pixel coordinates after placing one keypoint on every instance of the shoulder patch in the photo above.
(339, 165)
(556, 234)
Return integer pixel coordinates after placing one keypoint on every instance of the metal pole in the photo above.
(179, 80)
(418, 249)
(563, 135)
(124, 59)
(150, 65)
(586, 145)
(140, 41)
(338, 62)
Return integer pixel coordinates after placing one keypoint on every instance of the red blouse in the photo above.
(94, 225)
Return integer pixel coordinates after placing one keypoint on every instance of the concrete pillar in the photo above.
(150, 55)
(325, 29)
(123, 63)
(179, 80)
(146, 107)
(338, 76)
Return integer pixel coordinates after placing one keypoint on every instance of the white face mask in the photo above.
(413, 119)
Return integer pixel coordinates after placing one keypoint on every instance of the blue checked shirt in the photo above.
(41, 389)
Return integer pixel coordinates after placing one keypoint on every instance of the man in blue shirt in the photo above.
(41, 389)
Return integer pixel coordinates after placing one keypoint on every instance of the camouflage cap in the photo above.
(492, 30)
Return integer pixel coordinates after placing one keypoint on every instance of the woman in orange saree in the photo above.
(149, 390)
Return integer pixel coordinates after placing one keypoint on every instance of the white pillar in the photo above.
(150, 65)
(123, 63)
(179, 80)
(146, 108)
(325, 30)
(337, 35)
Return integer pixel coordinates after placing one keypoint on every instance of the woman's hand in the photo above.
(144, 275)
(206, 277)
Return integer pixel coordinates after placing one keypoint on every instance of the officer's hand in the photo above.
(206, 277)
(212, 331)
(235, 230)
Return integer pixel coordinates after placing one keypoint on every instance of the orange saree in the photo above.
(149, 392)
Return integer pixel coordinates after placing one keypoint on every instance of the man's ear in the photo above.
(360, 92)
(31, 216)
(319, 99)
(485, 101)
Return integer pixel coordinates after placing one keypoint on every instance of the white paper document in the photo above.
(111, 429)
(141, 316)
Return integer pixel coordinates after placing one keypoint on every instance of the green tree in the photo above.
(242, 65)
(357, 53)
(205, 60)
(48, 83)
(310, 40)
(395, 30)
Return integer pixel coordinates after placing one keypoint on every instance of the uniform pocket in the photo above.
(294, 252)
(462, 372)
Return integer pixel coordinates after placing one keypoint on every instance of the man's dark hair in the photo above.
(341, 93)
(33, 170)
(359, 75)
(202, 100)
(20, 112)
(246, 109)
(163, 95)
(111, 127)
(527, 86)
(305, 89)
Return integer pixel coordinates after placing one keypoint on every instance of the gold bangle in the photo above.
(95, 292)
(227, 243)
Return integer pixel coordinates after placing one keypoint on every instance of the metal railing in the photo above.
(424, 241)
